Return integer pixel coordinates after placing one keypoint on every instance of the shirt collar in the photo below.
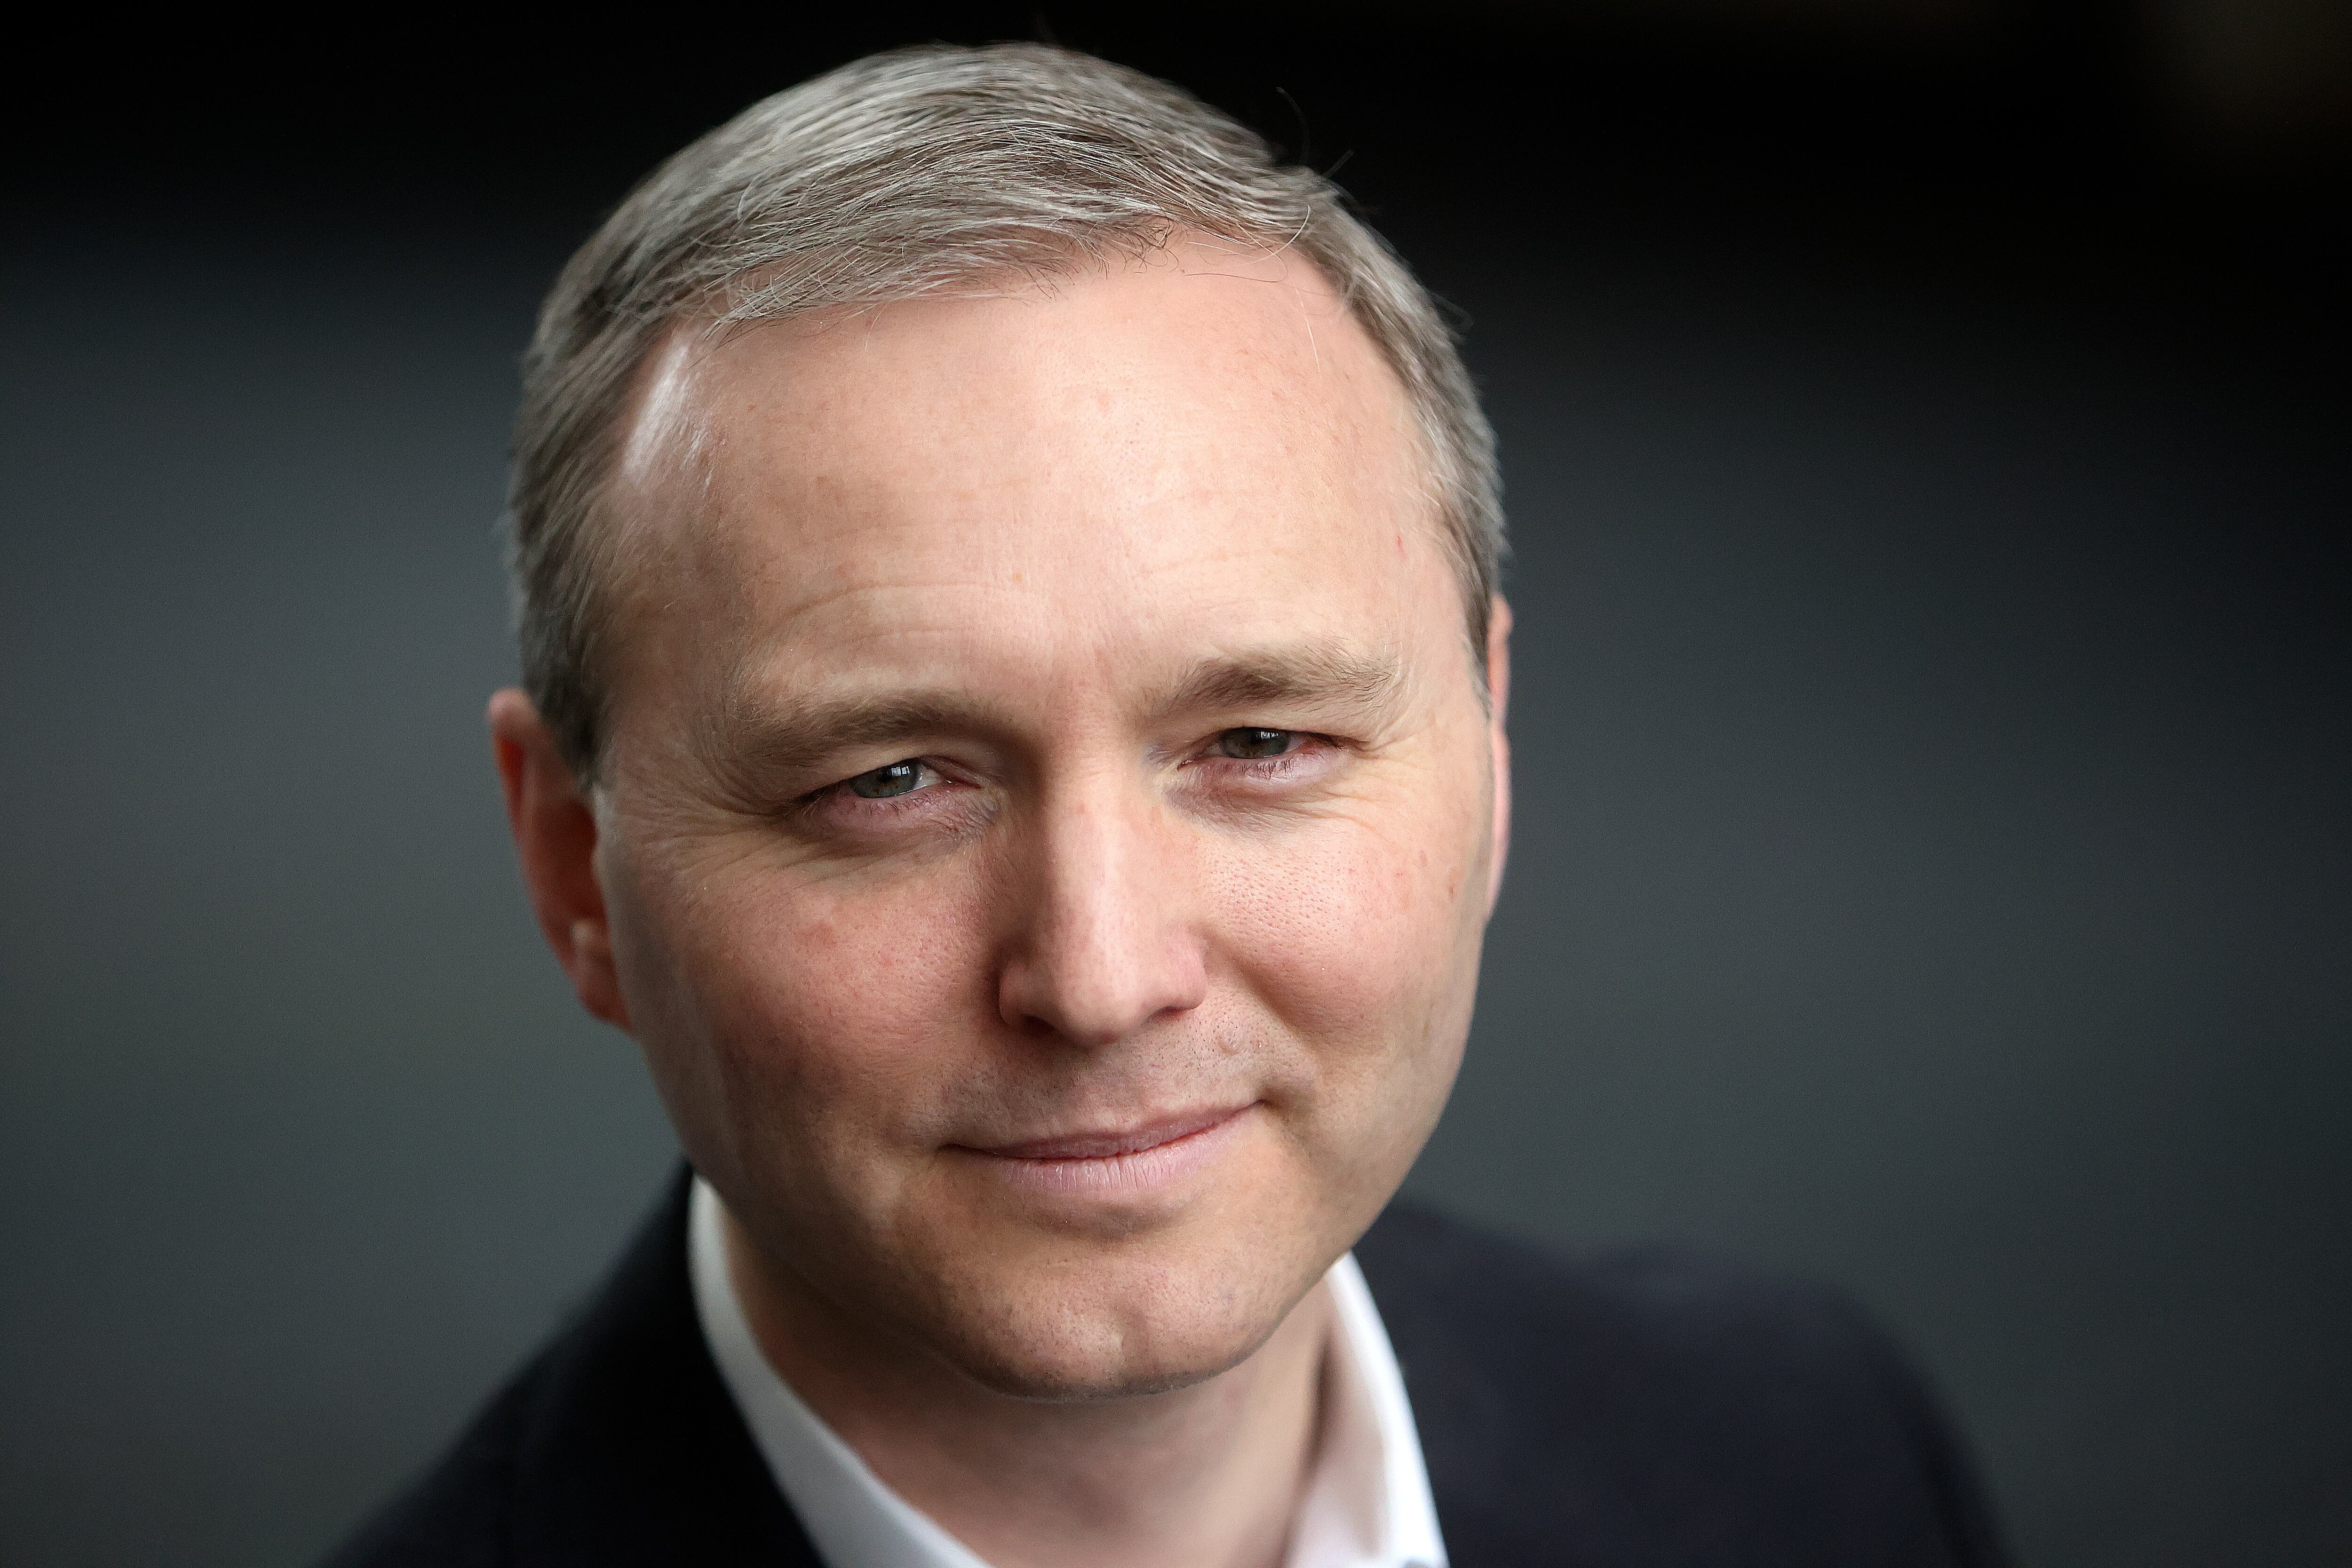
(1366, 1504)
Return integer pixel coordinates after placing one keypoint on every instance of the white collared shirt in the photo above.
(1366, 1504)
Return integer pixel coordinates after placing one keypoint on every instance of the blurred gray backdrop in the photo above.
(1930, 872)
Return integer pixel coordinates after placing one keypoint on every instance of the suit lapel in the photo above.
(1461, 1410)
(631, 1449)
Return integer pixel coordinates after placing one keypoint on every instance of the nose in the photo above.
(1104, 937)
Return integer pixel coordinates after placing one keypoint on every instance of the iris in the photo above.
(882, 783)
(1252, 744)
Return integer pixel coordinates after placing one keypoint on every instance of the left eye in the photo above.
(1256, 745)
(891, 779)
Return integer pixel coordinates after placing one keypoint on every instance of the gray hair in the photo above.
(908, 175)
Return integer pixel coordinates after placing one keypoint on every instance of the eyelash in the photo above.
(1270, 769)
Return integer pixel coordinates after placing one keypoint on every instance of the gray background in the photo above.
(1930, 873)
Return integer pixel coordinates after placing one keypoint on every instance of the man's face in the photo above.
(1049, 812)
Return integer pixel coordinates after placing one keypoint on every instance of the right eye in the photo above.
(891, 779)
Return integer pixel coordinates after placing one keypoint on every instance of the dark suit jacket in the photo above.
(1631, 1408)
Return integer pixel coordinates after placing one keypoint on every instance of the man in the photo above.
(1015, 731)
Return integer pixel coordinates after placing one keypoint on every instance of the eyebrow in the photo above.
(745, 742)
(768, 744)
(1329, 674)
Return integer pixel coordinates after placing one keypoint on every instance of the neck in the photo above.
(1203, 1477)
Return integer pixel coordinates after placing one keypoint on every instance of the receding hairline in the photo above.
(655, 410)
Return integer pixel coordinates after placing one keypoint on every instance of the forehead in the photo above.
(1203, 442)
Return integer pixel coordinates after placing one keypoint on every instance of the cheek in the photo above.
(827, 1013)
(1361, 936)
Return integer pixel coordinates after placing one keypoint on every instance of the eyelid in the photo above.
(920, 768)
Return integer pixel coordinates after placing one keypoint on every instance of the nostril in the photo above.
(1096, 999)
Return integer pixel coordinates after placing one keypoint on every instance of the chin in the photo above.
(1115, 1327)
(1082, 1362)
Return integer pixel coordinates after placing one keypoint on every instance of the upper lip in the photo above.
(1115, 1140)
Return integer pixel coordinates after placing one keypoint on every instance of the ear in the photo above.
(555, 839)
(1499, 702)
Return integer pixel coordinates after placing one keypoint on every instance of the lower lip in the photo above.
(1138, 1172)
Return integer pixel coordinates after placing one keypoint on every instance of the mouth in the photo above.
(1121, 1160)
(1115, 1142)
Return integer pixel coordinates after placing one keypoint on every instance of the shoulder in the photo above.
(1652, 1405)
(618, 1443)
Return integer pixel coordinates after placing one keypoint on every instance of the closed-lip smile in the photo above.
(1134, 1160)
(1118, 1140)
